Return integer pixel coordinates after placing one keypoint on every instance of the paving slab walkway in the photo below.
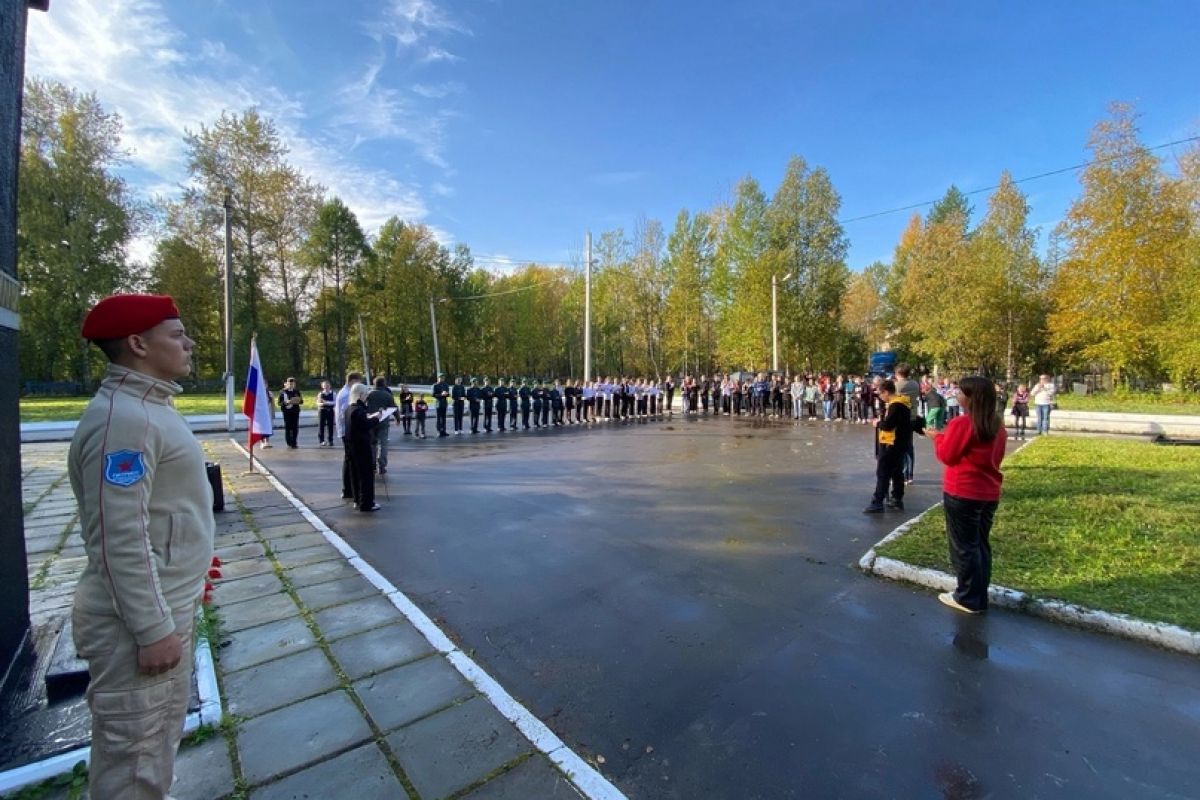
(329, 690)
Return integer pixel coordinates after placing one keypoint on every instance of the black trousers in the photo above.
(487, 415)
(291, 426)
(512, 416)
(347, 471)
(362, 475)
(524, 417)
(545, 414)
(968, 531)
(458, 415)
(474, 419)
(441, 419)
(325, 425)
(889, 471)
(501, 414)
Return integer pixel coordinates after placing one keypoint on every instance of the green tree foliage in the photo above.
(953, 207)
(336, 248)
(271, 205)
(1120, 284)
(1178, 334)
(182, 270)
(689, 336)
(1010, 283)
(742, 280)
(862, 311)
(75, 219)
(807, 242)
(1126, 242)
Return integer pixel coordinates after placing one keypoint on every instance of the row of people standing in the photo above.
(537, 404)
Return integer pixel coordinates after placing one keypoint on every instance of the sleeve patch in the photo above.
(124, 467)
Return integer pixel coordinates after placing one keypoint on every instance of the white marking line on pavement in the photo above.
(590, 782)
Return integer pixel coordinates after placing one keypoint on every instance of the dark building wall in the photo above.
(14, 579)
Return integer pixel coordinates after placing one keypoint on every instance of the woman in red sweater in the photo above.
(971, 447)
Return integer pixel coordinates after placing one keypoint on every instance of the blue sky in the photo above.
(515, 126)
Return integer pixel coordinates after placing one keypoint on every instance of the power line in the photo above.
(1051, 173)
(506, 291)
(508, 260)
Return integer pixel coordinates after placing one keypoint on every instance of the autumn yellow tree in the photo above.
(862, 305)
(1178, 336)
(1125, 242)
(939, 307)
(1008, 281)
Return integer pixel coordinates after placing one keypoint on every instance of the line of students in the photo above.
(534, 404)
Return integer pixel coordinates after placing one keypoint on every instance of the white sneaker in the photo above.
(947, 599)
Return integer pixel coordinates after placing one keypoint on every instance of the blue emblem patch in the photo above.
(124, 467)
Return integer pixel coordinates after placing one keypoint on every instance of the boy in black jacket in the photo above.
(893, 438)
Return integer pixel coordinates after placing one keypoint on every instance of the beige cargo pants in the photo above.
(137, 720)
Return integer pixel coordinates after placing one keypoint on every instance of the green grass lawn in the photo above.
(55, 409)
(1104, 523)
(1132, 402)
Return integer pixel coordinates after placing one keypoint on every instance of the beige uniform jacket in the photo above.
(145, 505)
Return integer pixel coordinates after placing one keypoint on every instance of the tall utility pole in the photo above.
(587, 309)
(437, 357)
(775, 321)
(362, 341)
(228, 308)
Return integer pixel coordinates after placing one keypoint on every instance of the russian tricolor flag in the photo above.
(256, 404)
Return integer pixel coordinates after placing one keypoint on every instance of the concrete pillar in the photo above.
(14, 579)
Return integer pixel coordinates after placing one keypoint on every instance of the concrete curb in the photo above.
(1171, 637)
(209, 714)
(587, 780)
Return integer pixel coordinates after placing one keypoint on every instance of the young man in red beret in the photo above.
(145, 507)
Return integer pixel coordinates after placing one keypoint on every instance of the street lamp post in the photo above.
(587, 311)
(228, 308)
(437, 357)
(362, 341)
(775, 281)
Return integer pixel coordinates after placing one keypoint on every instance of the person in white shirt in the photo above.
(1043, 399)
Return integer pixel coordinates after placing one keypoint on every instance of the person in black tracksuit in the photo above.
(525, 395)
(473, 397)
(501, 404)
(290, 401)
(557, 401)
(441, 393)
(458, 394)
(489, 400)
(894, 437)
(513, 402)
(326, 400)
(539, 397)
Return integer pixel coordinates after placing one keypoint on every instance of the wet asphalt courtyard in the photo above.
(679, 602)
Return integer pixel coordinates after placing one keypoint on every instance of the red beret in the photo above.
(126, 314)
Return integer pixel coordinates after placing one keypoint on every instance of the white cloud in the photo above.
(408, 22)
(163, 85)
(434, 54)
(437, 91)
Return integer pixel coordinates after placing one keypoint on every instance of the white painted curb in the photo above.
(209, 714)
(591, 783)
(1171, 637)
